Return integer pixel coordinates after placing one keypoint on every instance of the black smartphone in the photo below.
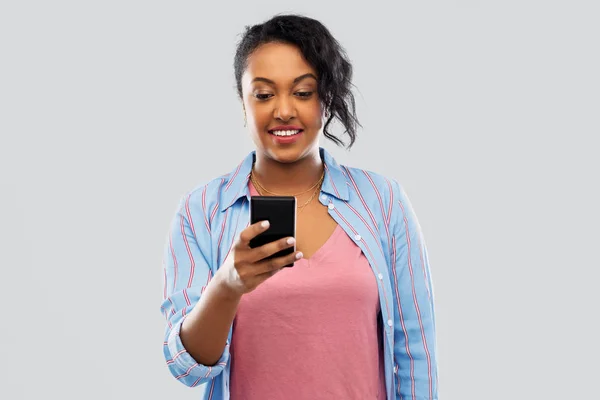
(280, 211)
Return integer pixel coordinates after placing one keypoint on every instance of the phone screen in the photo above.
(280, 211)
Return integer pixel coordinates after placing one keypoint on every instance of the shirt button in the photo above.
(324, 197)
(380, 277)
(331, 206)
(390, 323)
(357, 237)
(395, 368)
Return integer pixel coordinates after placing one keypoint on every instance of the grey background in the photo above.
(486, 112)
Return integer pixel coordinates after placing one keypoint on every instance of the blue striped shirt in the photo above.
(372, 209)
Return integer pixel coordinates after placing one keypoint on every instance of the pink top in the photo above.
(311, 331)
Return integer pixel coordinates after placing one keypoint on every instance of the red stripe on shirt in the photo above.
(187, 298)
(222, 232)
(204, 209)
(175, 267)
(197, 381)
(187, 372)
(387, 228)
(375, 236)
(212, 390)
(332, 183)
(362, 199)
(187, 247)
(412, 364)
(237, 171)
(214, 211)
(189, 214)
(414, 293)
(389, 216)
(178, 354)
(233, 237)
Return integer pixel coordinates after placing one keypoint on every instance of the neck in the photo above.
(288, 177)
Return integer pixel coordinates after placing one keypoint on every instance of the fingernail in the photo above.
(265, 224)
(299, 255)
(291, 240)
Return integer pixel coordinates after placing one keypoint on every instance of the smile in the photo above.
(286, 133)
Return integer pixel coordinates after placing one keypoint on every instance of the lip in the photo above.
(286, 128)
(286, 139)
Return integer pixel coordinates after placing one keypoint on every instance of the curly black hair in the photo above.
(322, 51)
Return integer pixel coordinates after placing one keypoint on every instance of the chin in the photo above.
(286, 155)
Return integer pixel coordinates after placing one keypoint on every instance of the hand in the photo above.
(245, 267)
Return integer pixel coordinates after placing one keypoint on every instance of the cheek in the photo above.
(312, 114)
(261, 116)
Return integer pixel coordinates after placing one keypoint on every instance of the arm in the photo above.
(198, 314)
(415, 337)
(200, 310)
(205, 329)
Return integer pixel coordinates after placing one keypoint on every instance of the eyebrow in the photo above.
(298, 79)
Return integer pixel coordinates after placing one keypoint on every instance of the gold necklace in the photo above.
(301, 207)
(259, 188)
(257, 183)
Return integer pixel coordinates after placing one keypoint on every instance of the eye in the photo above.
(263, 96)
(304, 94)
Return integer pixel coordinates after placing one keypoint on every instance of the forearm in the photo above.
(205, 330)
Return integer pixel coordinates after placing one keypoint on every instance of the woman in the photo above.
(354, 317)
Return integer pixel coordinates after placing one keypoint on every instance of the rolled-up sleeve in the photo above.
(186, 273)
(415, 334)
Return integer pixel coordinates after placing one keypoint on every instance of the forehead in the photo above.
(279, 62)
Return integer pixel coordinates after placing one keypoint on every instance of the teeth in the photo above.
(285, 133)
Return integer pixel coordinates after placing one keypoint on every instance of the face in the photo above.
(283, 111)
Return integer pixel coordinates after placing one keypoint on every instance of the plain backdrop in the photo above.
(487, 112)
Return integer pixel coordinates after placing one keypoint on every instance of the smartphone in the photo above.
(280, 211)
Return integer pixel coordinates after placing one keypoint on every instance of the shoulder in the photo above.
(370, 183)
(222, 188)
(204, 196)
(209, 188)
(378, 190)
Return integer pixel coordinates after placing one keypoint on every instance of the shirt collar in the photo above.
(236, 182)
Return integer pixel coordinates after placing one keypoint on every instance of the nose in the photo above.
(284, 109)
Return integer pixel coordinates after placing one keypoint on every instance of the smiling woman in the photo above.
(354, 317)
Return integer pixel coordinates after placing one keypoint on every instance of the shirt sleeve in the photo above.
(414, 331)
(186, 273)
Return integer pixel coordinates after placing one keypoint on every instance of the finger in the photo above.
(267, 267)
(252, 231)
(271, 248)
